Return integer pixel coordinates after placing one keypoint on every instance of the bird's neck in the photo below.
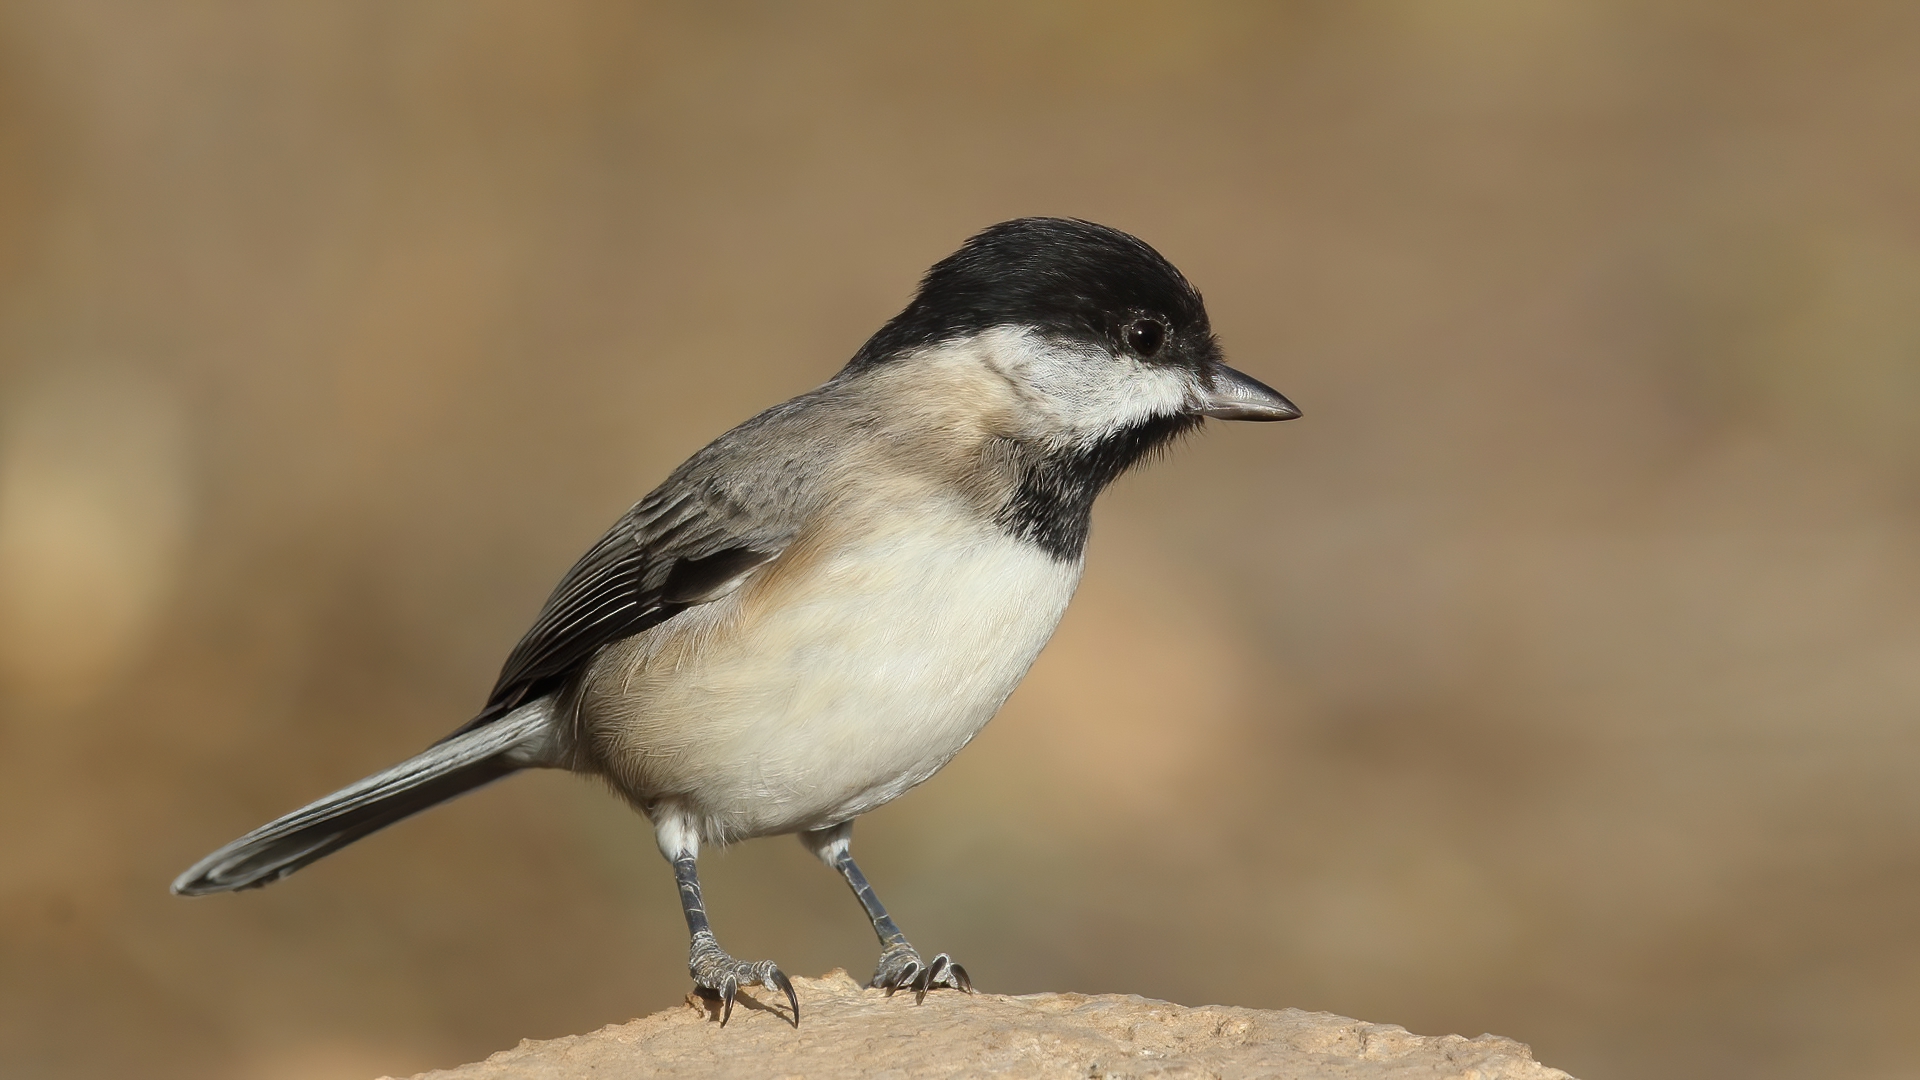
(1052, 502)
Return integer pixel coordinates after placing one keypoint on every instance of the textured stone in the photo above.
(848, 1031)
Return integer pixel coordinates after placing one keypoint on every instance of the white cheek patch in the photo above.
(1083, 392)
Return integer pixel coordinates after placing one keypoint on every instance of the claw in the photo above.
(781, 982)
(905, 978)
(902, 969)
(719, 977)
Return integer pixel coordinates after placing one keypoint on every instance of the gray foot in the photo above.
(718, 975)
(902, 969)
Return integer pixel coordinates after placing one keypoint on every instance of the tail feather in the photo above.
(444, 770)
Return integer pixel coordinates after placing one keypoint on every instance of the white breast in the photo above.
(835, 690)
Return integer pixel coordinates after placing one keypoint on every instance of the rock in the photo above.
(848, 1031)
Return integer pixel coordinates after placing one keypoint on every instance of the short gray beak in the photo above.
(1234, 396)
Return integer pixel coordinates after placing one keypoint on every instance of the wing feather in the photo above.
(665, 555)
(690, 541)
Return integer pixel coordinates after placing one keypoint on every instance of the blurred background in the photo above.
(1557, 676)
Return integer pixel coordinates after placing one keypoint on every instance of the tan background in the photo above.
(1558, 675)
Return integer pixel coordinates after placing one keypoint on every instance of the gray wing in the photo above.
(684, 544)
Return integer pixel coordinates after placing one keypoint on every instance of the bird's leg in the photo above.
(900, 964)
(712, 969)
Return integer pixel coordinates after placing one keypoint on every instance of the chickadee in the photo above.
(814, 613)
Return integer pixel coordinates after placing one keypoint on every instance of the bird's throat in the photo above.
(1052, 506)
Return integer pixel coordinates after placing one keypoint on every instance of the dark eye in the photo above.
(1145, 337)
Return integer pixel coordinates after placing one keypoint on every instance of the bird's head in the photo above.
(1096, 331)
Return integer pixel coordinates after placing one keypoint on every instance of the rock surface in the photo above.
(848, 1031)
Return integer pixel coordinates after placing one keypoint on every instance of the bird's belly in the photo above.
(829, 689)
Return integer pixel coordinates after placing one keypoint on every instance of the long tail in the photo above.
(443, 771)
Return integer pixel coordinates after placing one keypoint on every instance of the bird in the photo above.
(815, 612)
